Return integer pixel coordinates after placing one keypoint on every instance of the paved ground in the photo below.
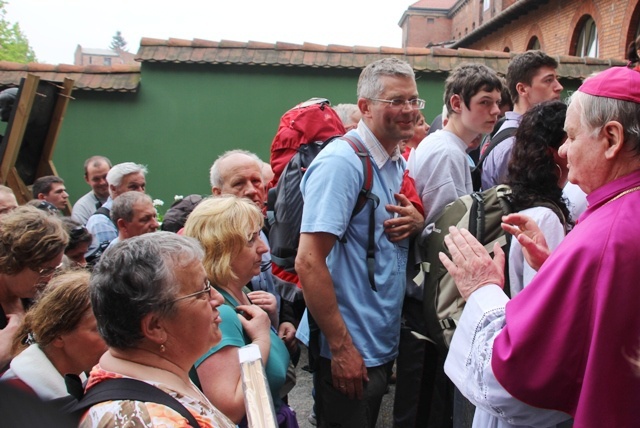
(301, 401)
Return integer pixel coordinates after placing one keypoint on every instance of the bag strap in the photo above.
(547, 203)
(365, 196)
(105, 212)
(131, 389)
(495, 140)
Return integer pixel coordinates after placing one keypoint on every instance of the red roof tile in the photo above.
(125, 78)
(117, 78)
(434, 4)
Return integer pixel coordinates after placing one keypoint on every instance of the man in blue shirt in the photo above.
(359, 321)
(124, 177)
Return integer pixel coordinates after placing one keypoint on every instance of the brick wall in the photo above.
(554, 24)
(420, 30)
(466, 19)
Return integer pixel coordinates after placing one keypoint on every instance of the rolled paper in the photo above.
(257, 398)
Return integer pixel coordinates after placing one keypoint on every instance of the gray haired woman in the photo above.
(157, 313)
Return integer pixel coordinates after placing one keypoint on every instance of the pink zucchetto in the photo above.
(619, 83)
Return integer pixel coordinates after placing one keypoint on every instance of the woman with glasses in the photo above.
(31, 249)
(157, 313)
(229, 230)
(58, 336)
(79, 241)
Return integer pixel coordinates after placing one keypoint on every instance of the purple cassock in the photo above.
(571, 334)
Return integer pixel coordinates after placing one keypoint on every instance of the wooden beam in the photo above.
(22, 192)
(45, 167)
(19, 125)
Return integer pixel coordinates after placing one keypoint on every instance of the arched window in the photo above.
(506, 49)
(534, 44)
(587, 39)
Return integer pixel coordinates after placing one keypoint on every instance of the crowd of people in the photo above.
(117, 323)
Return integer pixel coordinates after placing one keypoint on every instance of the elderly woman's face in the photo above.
(83, 345)
(194, 326)
(246, 264)
(26, 283)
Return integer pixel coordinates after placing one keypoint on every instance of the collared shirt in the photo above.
(330, 188)
(377, 152)
(86, 206)
(102, 229)
(37, 371)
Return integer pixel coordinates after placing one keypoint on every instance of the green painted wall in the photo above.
(185, 115)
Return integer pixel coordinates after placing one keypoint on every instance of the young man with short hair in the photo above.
(442, 173)
(51, 189)
(95, 174)
(531, 79)
(441, 169)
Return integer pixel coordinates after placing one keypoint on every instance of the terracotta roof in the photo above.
(433, 59)
(126, 78)
(117, 78)
(433, 4)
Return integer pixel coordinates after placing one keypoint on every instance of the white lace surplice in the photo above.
(468, 365)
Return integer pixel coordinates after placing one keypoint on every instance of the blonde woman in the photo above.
(229, 230)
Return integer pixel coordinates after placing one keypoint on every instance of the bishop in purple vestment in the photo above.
(568, 344)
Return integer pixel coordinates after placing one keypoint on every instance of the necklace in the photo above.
(621, 194)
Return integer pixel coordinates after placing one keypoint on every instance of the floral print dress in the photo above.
(129, 414)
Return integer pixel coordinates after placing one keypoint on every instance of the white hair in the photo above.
(115, 174)
(215, 178)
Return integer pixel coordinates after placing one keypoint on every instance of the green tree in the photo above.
(118, 43)
(14, 45)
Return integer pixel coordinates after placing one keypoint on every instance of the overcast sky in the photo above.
(55, 27)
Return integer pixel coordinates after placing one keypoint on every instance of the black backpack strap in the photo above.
(364, 196)
(495, 140)
(131, 389)
(103, 211)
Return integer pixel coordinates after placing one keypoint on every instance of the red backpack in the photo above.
(308, 122)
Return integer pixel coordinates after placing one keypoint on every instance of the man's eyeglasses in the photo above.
(46, 271)
(414, 103)
(207, 289)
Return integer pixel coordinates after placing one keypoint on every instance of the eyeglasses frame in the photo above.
(419, 106)
(46, 271)
(207, 289)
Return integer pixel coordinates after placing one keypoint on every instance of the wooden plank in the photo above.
(45, 166)
(22, 192)
(19, 124)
